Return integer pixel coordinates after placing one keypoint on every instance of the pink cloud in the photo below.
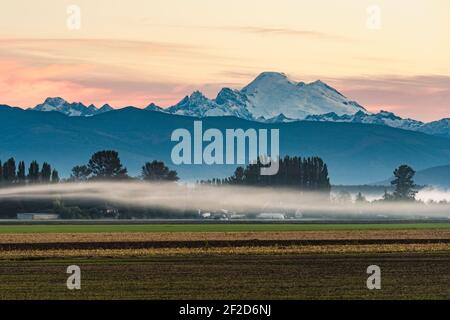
(28, 77)
(425, 98)
(25, 85)
(34, 69)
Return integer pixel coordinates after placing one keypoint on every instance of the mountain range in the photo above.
(76, 109)
(271, 98)
(438, 128)
(355, 153)
(314, 120)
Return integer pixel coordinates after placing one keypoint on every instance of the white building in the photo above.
(271, 216)
(37, 216)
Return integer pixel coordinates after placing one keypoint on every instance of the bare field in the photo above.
(231, 276)
(224, 236)
(300, 264)
(41, 245)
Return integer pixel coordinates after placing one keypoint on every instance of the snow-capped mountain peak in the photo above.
(196, 105)
(272, 93)
(268, 78)
(234, 103)
(228, 103)
(74, 109)
(267, 96)
(51, 104)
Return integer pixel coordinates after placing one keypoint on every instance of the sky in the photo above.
(136, 52)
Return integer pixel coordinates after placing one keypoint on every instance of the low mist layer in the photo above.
(241, 200)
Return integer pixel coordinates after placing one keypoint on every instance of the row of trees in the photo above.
(106, 165)
(294, 172)
(103, 165)
(12, 174)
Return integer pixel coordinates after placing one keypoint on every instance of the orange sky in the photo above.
(140, 51)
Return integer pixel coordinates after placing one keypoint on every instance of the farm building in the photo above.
(37, 216)
(271, 216)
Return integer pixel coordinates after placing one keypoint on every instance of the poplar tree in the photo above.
(46, 172)
(33, 172)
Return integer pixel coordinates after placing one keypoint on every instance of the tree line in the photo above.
(10, 173)
(106, 165)
(303, 174)
(309, 174)
(103, 165)
(294, 172)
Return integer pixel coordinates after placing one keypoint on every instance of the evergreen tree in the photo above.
(46, 173)
(106, 165)
(80, 173)
(21, 175)
(9, 171)
(404, 184)
(238, 177)
(33, 172)
(172, 176)
(158, 171)
(55, 176)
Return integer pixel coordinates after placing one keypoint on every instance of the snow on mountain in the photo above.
(273, 93)
(281, 118)
(388, 119)
(196, 105)
(268, 96)
(75, 109)
(437, 128)
(228, 103)
(271, 98)
(382, 118)
(235, 102)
